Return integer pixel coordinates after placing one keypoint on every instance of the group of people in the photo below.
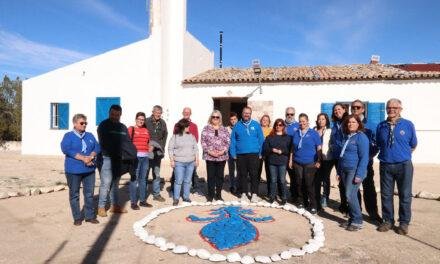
(307, 154)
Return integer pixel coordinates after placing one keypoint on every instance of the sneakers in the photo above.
(175, 202)
(209, 199)
(102, 212)
(77, 222)
(402, 229)
(219, 197)
(313, 211)
(244, 198)
(283, 201)
(300, 206)
(385, 226)
(255, 198)
(345, 224)
(187, 200)
(116, 209)
(353, 228)
(159, 198)
(145, 204)
(92, 221)
(135, 207)
(271, 200)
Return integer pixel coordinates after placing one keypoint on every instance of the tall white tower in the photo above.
(168, 29)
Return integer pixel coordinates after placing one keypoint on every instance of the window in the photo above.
(59, 116)
(374, 112)
(103, 105)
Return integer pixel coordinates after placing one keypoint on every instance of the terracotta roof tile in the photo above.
(354, 72)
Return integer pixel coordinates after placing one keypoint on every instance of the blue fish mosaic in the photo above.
(230, 227)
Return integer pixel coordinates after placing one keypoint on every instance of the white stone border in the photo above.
(311, 246)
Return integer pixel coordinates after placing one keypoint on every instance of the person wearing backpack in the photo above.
(140, 137)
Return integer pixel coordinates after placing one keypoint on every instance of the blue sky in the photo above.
(39, 36)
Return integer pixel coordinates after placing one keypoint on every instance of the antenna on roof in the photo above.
(221, 49)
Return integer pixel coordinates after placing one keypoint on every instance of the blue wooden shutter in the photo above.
(51, 115)
(103, 105)
(327, 108)
(63, 116)
(375, 114)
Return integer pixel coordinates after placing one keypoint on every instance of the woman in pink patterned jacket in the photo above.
(215, 144)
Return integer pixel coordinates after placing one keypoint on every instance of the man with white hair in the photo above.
(396, 140)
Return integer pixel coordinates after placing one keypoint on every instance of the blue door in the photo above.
(103, 105)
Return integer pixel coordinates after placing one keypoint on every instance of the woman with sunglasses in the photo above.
(306, 159)
(352, 167)
(184, 156)
(277, 148)
(140, 137)
(215, 141)
(80, 149)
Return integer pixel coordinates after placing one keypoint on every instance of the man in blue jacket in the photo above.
(396, 140)
(246, 146)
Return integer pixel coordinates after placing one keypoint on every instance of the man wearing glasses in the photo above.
(158, 137)
(369, 190)
(396, 140)
(291, 127)
(246, 146)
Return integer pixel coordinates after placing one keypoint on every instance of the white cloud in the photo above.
(107, 13)
(17, 51)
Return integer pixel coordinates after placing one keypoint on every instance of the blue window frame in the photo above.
(59, 116)
(103, 105)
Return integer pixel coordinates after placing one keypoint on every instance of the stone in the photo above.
(275, 257)
(307, 215)
(286, 254)
(46, 190)
(170, 245)
(261, 203)
(217, 257)
(192, 252)
(59, 188)
(4, 195)
(13, 194)
(319, 238)
(247, 260)
(263, 259)
(427, 195)
(35, 191)
(227, 203)
(203, 253)
(151, 239)
(163, 248)
(287, 207)
(180, 249)
(220, 202)
(25, 192)
(208, 203)
(301, 211)
(266, 204)
(160, 241)
(233, 257)
(296, 252)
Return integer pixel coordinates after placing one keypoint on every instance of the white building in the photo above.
(173, 69)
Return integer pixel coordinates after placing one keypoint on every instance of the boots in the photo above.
(116, 209)
(102, 212)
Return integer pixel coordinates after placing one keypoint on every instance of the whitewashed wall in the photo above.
(419, 98)
(126, 73)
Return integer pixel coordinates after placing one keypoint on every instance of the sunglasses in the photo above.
(356, 107)
(83, 123)
(289, 114)
(215, 117)
(141, 119)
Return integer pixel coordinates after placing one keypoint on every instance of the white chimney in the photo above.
(375, 59)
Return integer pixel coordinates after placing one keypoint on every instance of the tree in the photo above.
(10, 109)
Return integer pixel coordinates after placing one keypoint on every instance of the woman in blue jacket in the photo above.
(352, 167)
(80, 149)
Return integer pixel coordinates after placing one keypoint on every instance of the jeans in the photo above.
(232, 174)
(74, 183)
(109, 182)
(402, 174)
(305, 183)
(154, 165)
(215, 171)
(138, 187)
(277, 175)
(183, 172)
(247, 165)
(351, 194)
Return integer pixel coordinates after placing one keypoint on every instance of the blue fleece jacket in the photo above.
(356, 155)
(246, 139)
(336, 139)
(71, 145)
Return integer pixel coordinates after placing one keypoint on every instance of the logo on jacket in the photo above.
(402, 132)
